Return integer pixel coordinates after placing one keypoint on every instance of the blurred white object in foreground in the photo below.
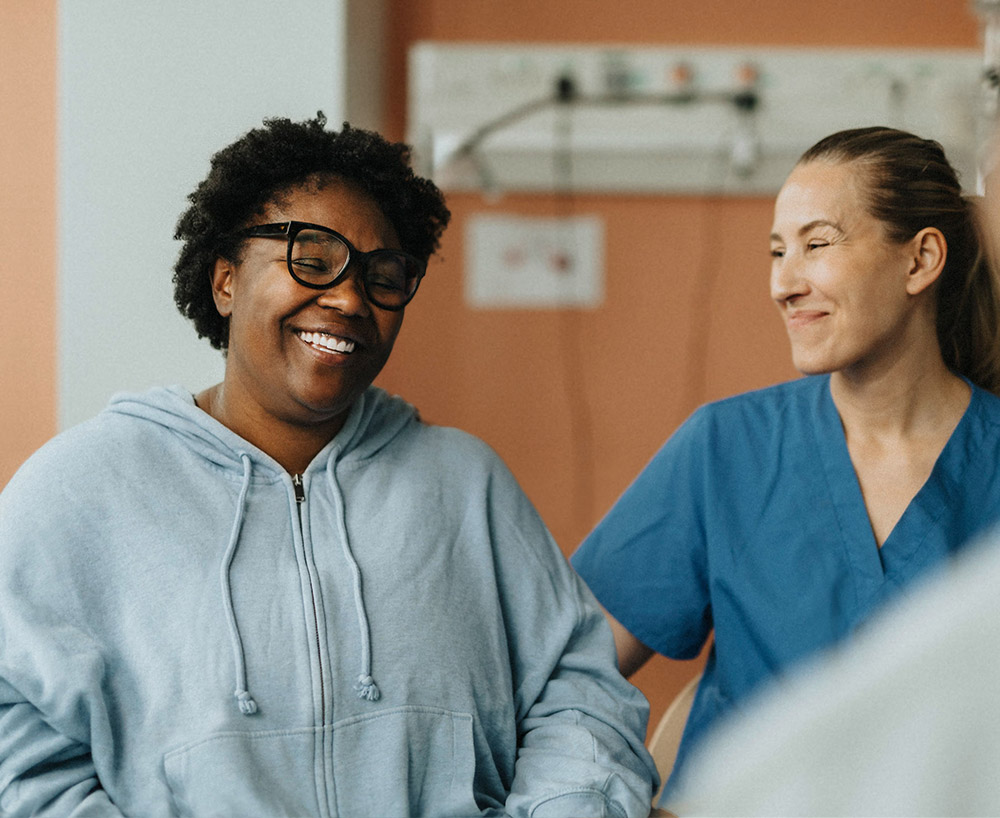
(905, 720)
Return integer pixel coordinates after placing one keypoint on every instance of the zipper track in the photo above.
(322, 785)
(300, 498)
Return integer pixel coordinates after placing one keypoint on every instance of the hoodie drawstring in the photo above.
(246, 703)
(366, 686)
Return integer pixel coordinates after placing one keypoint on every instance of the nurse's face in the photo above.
(299, 355)
(839, 282)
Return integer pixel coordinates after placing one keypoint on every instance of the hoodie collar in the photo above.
(373, 421)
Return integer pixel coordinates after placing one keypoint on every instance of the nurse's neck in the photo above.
(900, 402)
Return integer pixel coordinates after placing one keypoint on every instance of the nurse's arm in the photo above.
(632, 654)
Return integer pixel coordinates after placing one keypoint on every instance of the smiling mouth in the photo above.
(804, 318)
(327, 343)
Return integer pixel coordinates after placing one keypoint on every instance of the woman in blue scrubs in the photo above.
(783, 518)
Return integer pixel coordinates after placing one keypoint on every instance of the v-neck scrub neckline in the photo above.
(874, 566)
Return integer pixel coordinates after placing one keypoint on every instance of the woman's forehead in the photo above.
(823, 192)
(337, 204)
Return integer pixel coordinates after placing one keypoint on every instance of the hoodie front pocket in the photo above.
(390, 763)
(241, 774)
(405, 761)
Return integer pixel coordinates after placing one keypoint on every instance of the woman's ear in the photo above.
(222, 286)
(930, 251)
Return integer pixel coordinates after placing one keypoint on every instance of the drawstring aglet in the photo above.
(247, 705)
(367, 689)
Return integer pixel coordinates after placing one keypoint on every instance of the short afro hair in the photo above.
(271, 160)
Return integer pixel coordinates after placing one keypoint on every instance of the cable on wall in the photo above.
(570, 320)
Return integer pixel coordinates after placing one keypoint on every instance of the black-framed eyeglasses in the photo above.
(319, 257)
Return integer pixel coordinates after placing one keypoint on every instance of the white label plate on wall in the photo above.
(522, 262)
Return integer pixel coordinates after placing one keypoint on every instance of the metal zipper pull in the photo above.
(300, 491)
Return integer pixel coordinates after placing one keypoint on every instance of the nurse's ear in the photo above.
(929, 253)
(222, 286)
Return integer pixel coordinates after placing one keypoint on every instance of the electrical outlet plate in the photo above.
(518, 262)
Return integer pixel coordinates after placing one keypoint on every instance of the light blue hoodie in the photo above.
(180, 636)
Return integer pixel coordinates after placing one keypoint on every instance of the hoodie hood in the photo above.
(372, 423)
(374, 420)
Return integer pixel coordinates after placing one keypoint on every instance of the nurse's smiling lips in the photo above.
(799, 319)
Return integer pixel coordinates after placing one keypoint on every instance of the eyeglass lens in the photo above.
(317, 258)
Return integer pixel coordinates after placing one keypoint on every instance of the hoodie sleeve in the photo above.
(42, 772)
(46, 717)
(49, 670)
(581, 725)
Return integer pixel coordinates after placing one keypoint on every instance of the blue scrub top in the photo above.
(750, 520)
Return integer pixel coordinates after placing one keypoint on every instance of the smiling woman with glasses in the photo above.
(285, 594)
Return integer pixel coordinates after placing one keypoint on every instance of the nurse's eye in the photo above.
(777, 252)
(816, 244)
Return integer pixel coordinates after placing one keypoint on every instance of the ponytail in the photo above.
(968, 307)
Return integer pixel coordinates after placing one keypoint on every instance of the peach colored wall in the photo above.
(577, 402)
(28, 208)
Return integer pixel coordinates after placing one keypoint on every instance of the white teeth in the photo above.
(330, 342)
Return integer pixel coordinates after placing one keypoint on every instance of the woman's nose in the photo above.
(787, 281)
(347, 294)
